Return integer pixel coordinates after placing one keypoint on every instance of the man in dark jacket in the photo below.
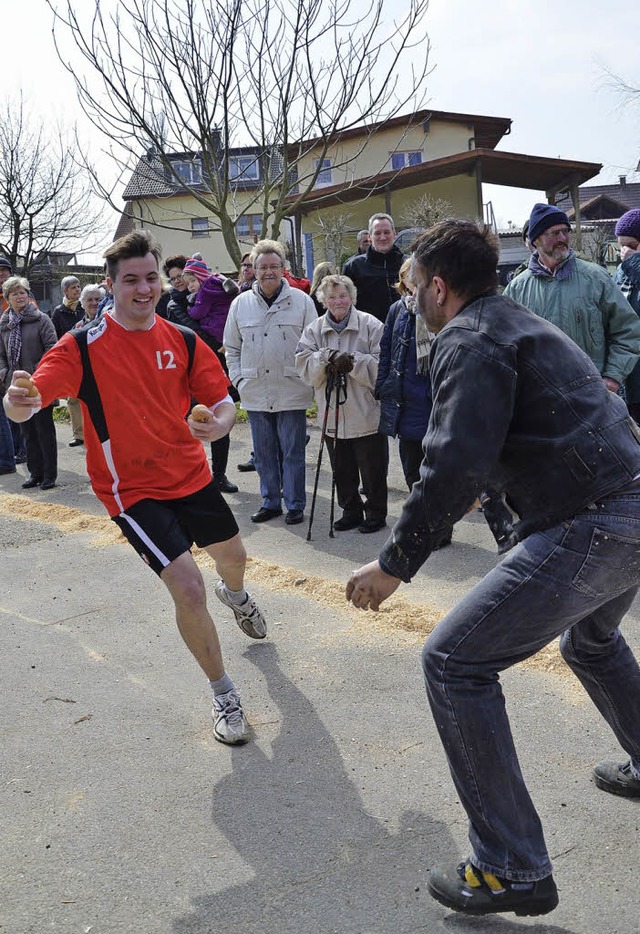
(520, 407)
(376, 272)
(66, 315)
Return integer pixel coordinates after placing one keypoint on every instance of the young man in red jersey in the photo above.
(145, 459)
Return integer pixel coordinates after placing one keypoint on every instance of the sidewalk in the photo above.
(121, 814)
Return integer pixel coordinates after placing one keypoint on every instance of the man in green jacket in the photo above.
(578, 297)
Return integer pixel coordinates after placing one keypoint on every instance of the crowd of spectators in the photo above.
(281, 349)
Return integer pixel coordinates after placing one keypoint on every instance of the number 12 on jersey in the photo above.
(165, 360)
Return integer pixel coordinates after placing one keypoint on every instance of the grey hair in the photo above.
(69, 280)
(267, 246)
(330, 282)
(92, 287)
(380, 217)
(13, 283)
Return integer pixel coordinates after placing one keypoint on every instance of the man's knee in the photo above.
(433, 658)
(567, 648)
(186, 586)
(231, 552)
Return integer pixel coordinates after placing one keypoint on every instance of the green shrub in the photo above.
(61, 415)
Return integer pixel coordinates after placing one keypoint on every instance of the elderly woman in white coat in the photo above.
(343, 345)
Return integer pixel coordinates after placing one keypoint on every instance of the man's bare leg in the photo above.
(186, 586)
(231, 559)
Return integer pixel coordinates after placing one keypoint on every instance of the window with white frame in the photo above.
(200, 227)
(244, 168)
(399, 160)
(189, 172)
(249, 226)
(324, 175)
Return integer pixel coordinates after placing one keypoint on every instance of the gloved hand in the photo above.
(341, 362)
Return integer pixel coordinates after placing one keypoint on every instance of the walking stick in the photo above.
(341, 386)
(327, 393)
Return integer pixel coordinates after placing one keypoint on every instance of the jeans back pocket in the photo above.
(611, 566)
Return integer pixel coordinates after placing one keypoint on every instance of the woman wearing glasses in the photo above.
(247, 275)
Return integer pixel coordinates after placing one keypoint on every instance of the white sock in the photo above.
(222, 686)
(237, 596)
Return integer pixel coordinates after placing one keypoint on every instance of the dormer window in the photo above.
(244, 168)
(189, 172)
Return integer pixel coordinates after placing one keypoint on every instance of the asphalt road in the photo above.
(120, 813)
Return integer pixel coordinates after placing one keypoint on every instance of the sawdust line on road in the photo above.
(398, 614)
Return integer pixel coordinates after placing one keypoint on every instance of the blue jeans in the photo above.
(579, 579)
(278, 449)
(7, 456)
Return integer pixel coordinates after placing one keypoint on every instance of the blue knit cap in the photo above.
(544, 216)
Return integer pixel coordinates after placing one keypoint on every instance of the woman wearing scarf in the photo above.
(404, 389)
(25, 336)
(403, 385)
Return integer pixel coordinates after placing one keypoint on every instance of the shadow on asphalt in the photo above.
(297, 820)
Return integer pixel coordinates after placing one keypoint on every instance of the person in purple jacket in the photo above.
(213, 297)
(208, 303)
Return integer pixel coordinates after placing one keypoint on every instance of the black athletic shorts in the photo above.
(161, 530)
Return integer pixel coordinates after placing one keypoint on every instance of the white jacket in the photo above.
(260, 345)
(360, 413)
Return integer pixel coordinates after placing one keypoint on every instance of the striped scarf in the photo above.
(423, 338)
(14, 344)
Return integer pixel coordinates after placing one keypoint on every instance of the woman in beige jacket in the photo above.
(343, 347)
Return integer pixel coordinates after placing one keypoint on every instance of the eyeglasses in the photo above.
(175, 278)
(247, 265)
(268, 268)
(560, 234)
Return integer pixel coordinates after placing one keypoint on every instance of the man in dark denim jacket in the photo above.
(520, 407)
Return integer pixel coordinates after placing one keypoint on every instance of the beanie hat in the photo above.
(5, 262)
(544, 216)
(629, 224)
(197, 268)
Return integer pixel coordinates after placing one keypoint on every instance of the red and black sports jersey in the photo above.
(145, 387)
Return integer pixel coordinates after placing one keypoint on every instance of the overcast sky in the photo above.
(541, 64)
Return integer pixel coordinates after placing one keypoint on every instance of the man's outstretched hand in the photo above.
(369, 586)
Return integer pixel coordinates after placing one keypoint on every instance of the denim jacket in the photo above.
(518, 407)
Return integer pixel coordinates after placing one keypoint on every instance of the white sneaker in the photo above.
(248, 615)
(229, 722)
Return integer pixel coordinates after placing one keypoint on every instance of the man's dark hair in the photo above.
(178, 261)
(462, 252)
(134, 245)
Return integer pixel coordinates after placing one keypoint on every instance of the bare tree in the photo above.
(334, 228)
(197, 79)
(46, 200)
(426, 211)
(596, 241)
